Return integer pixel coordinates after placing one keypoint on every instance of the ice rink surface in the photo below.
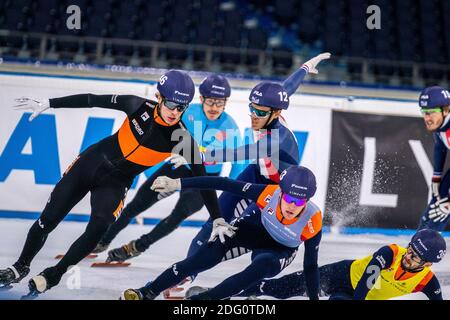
(107, 283)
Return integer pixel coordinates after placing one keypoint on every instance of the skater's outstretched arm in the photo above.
(294, 81)
(246, 190)
(125, 103)
(259, 150)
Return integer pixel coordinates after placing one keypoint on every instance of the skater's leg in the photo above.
(231, 207)
(144, 199)
(66, 194)
(107, 203)
(68, 191)
(189, 202)
(334, 278)
(208, 256)
(201, 238)
(265, 264)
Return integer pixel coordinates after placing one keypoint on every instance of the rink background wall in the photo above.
(33, 155)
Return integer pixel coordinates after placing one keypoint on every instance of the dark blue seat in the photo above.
(282, 60)
(285, 11)
(309, 20)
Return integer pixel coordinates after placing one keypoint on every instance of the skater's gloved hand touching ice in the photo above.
(165, 184)
(221, 228)
(37, 106)
(439, 210)
(312, 63)
(177, 161)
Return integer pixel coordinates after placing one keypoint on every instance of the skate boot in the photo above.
(143, 293)
(13, 274)
(45, 280)
(195, 290)
(123, 253)
(100, 247)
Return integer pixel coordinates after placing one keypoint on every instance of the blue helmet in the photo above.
(215, 86)
(270, 94)
(298, 182)
(176, 86)
(434, 97)
(429, 245)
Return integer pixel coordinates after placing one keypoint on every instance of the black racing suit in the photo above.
(107, 168)
(189, 202)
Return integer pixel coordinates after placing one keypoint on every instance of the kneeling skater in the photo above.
(281, 218)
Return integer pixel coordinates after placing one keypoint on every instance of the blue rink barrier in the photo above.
(76, 217)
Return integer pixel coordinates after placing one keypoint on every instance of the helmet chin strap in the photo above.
(158, 111)
(443, 118)
(418, 269)
(268, 120)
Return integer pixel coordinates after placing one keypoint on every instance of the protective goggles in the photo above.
(217, 102)
(430, 111)
(259, 113)
(290, 199)
(173, 105)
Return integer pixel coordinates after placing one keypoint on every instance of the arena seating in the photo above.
(413, 31)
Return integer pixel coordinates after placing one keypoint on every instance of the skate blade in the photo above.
(178, 292)
(89, 256)
(174, 294)
(30, 296)
(113, 264)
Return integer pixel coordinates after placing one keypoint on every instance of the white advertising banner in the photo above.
(33, 155)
